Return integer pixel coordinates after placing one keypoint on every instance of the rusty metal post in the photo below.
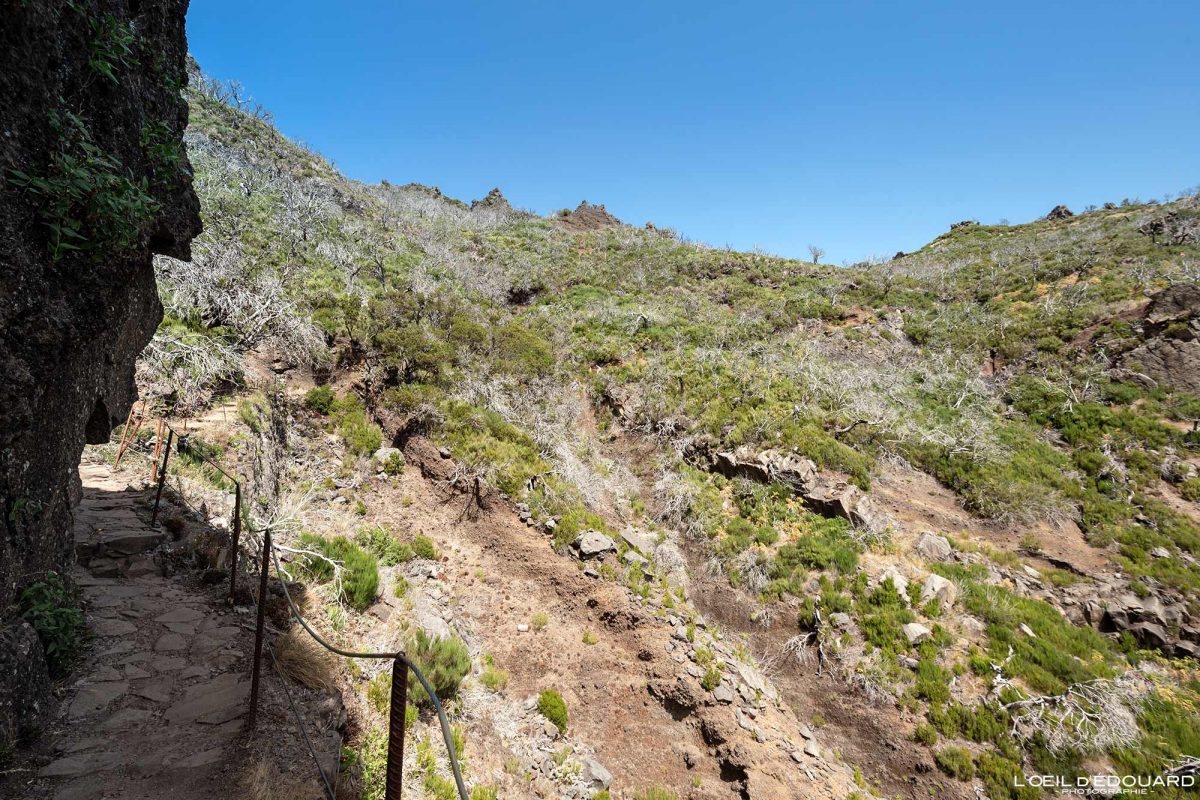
(237, 534)
(162, 477)
(395, 758)
(258, 630)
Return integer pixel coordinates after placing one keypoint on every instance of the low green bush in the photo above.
(362, 436)
(655, 793)
(955, 762)
(393, 464)
(384, 545)
(422, 547)
(493, 678)
(379, 692)
(360, 570)
(319, 399)
(443, 662)
(550, 704)
(926, 734)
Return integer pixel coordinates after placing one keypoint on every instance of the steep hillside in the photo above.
(943, 506)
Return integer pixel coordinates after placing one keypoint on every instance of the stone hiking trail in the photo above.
(156, 707)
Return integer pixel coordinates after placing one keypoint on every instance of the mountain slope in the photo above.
(758, 419)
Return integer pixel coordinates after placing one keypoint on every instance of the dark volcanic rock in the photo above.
(1170, 354)
(587, 217)
(91, 143)
(1060, 212)
(494, 200)
(24, 683)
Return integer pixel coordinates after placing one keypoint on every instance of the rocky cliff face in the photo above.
(1171, 327)
(93, 183)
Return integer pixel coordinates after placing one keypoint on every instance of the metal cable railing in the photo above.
(400, 662)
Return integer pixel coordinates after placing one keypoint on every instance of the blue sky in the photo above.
(863, 127)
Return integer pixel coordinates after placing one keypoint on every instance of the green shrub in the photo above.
(550, 704)
(711, 679)
(955, 762)
(360, 570)
(933, 681)
(393, 464)
(379, 692)
(53, 613)
(320, 399)
(1059, 654)
(1002, 778)
(423, 547)
(655, 793)
(926, 734)
(387, 548)
(494, 679)
(253, 410)
(362, 436)
(884, 615)
(1190, 489)
(443, 662)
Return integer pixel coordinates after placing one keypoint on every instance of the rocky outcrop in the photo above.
(1178, 227)
(826, 493)
(588, 217)
(93, 183)
(494, 201)
(1170, 354)
(1060, 212)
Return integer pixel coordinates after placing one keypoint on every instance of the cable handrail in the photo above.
(398, 656)
(401, 664)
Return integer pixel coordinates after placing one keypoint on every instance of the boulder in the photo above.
(1060, 212)
(595, 775)
(938, 588)
(384, 453)
(932, 547)
(641, 540)
(24, 683)
(898, 580)
(592, 544)
(840, 499)
(916, 633)
(1150, 635)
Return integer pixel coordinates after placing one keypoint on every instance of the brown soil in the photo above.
(919, 503)
(500, 573)
(875, 739)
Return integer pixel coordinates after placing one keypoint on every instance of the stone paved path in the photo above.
(157, 708)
